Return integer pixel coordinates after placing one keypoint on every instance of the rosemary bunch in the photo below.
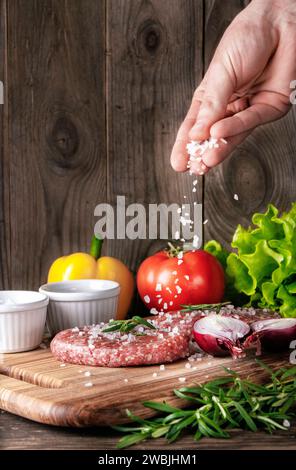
(125, 326)
(218, 406)
(217, 307)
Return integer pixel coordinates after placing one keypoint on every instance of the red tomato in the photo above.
(164, 283)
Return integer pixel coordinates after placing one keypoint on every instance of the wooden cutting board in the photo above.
(36, 386)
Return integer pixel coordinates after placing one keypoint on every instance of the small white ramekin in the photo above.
(22, 320)
(79, 303)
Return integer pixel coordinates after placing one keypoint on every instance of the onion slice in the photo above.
(220, 336)
(273, 335)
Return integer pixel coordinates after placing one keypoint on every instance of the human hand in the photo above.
(247, 83)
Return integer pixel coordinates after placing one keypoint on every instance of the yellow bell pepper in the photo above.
(92, 266)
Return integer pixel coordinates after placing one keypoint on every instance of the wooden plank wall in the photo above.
(95, 92)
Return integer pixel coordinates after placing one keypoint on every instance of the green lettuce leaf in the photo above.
(262, 268)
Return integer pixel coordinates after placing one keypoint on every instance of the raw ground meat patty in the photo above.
(90, 346)
(171, 340)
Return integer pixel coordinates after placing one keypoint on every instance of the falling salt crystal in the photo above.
(126, 380)
(177, 235)
(235, 196)
(147, 299)
(62, 365)
(186, 277)
(180, 261)
(171, 303)
(194, 183)
(205, 221)
(180, 255)
(88, 384)
(178, 289)
(154, 374)
(188, 365)
(286, 423)
(194, 190)
(153, 311)
(185, 197)
(159, 301)
(161, 367)
(195, 241)
(87, 374)
(158, 287)
(179, 210)
(182, 379)
(165, 305)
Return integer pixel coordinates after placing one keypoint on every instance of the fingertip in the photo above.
(198, 168)
(217, 130)
(199, 131)
(179, 162)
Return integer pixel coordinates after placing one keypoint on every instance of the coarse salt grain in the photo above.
(147, 299)
(177, 235)
(235, 196)
(154, 374)
(62, 365)
(286, 423)
(182, 379)
(162, 367)
(153, 311)
(188, 365)
(195, 241)
(87, 374)
(88, 384)
(158, 287)
(165, 305)
(180, 261)
(205, 221)
(186, 277)
(126, 380)
(178, 289)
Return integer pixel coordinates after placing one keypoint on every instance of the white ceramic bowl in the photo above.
(79, 303)
(22, 320)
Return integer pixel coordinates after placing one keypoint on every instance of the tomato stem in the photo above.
(173, 250)
(96, 247)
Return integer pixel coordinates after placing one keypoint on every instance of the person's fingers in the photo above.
(245, 120)
(179, 155)
(220, 86)
(214, 156)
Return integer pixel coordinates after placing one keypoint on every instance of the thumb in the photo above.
(219, 87)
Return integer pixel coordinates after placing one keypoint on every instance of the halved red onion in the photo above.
(220, 336)
(273, 335)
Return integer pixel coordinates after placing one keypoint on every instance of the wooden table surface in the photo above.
(20, 434)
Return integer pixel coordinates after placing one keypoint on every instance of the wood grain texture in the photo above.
(20, 434)
(4, 182)
(261, 170)
(154, 63)
(35, 386)
(56, 130)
